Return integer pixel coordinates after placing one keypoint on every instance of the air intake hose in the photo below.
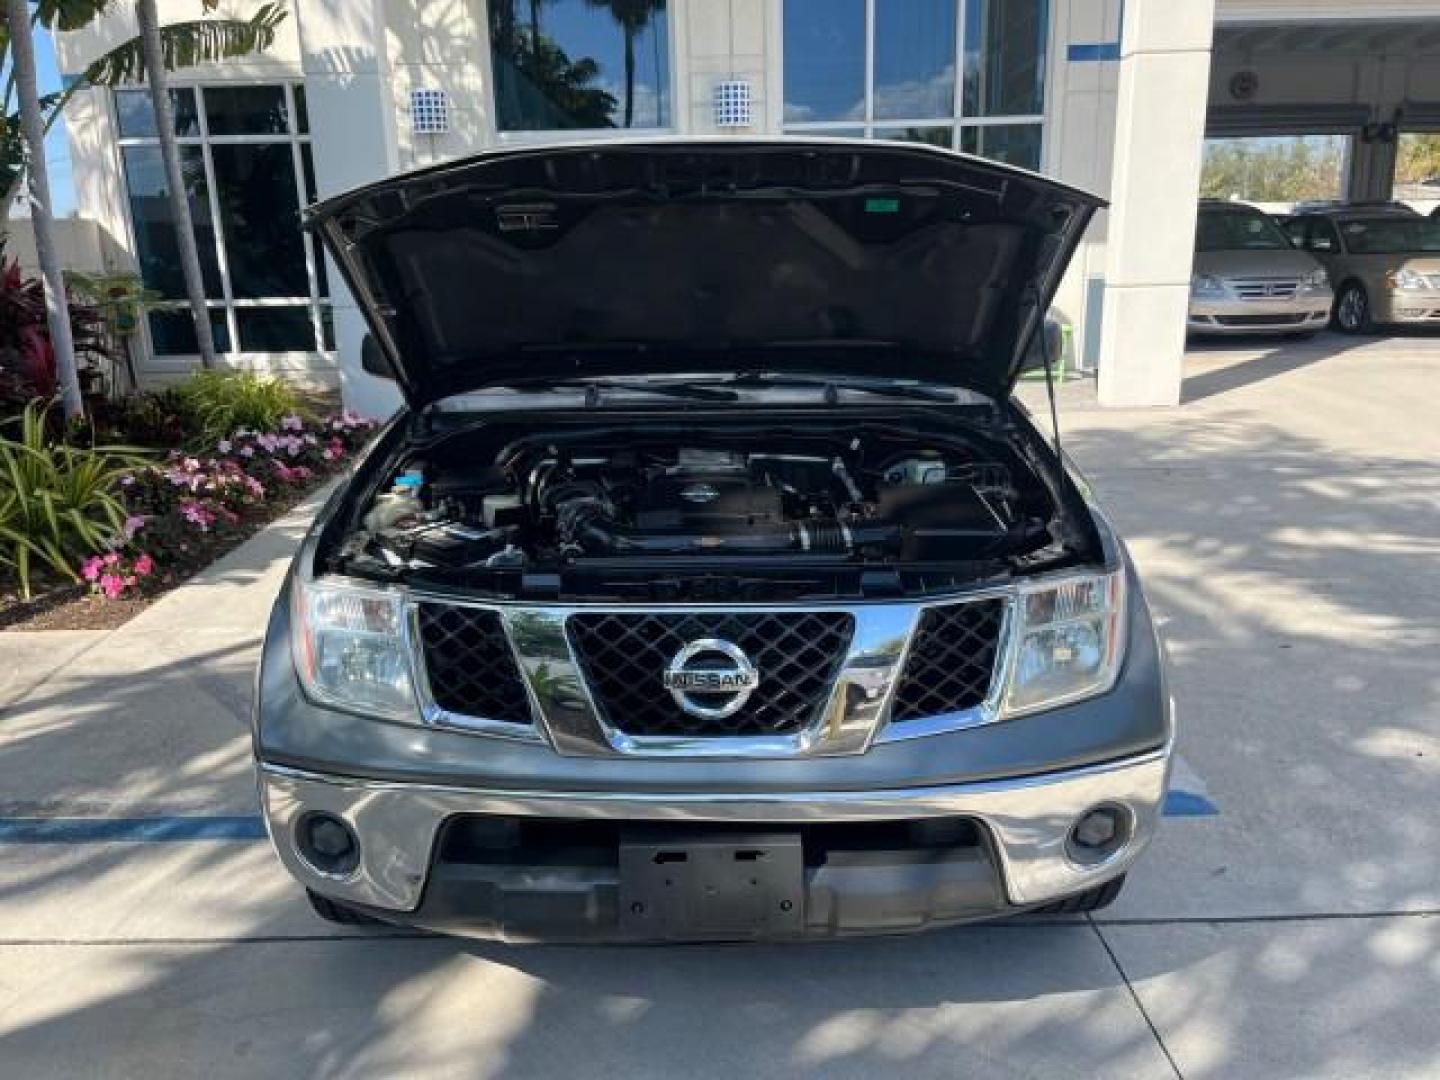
(586, 524)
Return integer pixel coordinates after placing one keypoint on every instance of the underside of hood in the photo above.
(818, 257)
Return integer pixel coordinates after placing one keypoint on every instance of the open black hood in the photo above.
(821, 257)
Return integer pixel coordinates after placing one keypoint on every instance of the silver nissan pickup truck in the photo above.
(710, 584)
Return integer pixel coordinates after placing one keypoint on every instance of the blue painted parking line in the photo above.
(1188, 804)
(147, 830)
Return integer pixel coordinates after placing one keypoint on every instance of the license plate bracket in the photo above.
(730, 886)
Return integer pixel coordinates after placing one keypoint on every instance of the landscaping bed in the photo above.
(98, 530)
(82, 606)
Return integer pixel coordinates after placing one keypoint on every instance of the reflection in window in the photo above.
(246, 110)
(824, 60)
(275, 329)
(914, 58)
(910, 49)
(577, 64)
(1005, 57)
(261, 212)
(932, 136)
(135, 115)
(1014, 144)
(155, 246)
(172, 332)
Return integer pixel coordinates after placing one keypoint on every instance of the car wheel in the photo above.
(1101, 896)
(336, 912)
(1352, 310)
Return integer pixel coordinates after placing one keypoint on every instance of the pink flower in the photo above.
(133, 524)
(223, 446)
(247, 451)
(268, 442)
(112, 585)
(90, 568)
(111, 559)
(196, 514)
(144, 566)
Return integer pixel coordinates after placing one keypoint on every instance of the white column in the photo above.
(352, 115)
(1159, 135)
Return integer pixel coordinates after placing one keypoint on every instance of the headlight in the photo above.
(1316, 279)
(1207, 285)
(1071, 641)
(351, 650)
(1406, 279)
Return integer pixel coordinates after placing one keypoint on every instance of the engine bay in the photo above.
(599, 509)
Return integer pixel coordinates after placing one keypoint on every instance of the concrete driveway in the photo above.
(1286, 924)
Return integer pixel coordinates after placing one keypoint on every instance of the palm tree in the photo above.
(633, 16)
(154, 50)
(32, 125)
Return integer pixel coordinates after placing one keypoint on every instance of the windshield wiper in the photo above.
(833, 386)
(594, 389)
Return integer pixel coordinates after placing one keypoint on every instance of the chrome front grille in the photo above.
(1265, 288)
(597, 681)
(622, 656)
(952, 662)
(469, 667)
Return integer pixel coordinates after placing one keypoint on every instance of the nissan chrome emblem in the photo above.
(714, 669)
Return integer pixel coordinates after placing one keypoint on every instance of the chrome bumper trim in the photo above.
(1027, 817)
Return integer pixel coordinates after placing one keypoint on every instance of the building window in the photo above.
(580, 64)
(246, 162)
(886, 69)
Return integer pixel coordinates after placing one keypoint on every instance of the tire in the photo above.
(1101, 896)
(335, 912)
(1352, 310)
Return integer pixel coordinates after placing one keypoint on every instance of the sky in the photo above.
(57, 146)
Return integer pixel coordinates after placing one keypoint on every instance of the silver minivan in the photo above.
(1249, 279)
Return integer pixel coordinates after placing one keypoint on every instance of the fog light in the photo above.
(1099, 833)
(327, 844)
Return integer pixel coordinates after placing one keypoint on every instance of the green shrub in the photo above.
(57, 502)
(221, 402)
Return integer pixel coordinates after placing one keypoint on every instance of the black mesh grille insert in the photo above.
(797, 653)
(952, 660)
(471, 669)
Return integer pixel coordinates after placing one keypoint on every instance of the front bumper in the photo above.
(1021, 860)
(1305, 312)
(1414, 307)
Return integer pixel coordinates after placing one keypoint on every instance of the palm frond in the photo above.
(70, 14)
(186, 44)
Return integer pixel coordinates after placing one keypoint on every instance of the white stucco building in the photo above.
(1112, 95)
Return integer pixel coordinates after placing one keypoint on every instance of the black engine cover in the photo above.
(719, 500)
